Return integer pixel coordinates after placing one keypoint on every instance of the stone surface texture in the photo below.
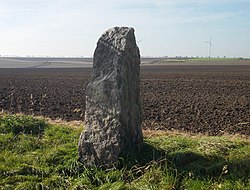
(113, 107)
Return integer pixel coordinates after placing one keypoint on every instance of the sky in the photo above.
(162, 27)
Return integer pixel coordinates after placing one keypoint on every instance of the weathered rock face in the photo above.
(113, 106)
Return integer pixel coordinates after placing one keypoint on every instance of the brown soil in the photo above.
(208, 99)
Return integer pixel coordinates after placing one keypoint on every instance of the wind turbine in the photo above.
(209, 47)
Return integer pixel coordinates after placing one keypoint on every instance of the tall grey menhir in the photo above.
(113, 107)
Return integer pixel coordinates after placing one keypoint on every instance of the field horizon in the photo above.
(76, 62)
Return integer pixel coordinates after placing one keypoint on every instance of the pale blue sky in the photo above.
(163, 27)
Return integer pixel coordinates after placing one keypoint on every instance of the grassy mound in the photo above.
(37, 155)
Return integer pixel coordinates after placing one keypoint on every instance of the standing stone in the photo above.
(113, 107)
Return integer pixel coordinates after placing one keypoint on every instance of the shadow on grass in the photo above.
(188, 163)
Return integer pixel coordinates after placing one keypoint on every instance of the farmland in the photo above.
(208, 97)
(180, 99)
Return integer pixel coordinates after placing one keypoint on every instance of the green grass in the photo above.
(37, 155)
(215, 59)
(184, 60)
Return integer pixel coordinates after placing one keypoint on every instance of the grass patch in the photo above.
(216, 59)
(37, 155)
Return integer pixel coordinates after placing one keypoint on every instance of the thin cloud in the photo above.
(72, 27)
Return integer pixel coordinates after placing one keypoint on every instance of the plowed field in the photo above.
(209, 99)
